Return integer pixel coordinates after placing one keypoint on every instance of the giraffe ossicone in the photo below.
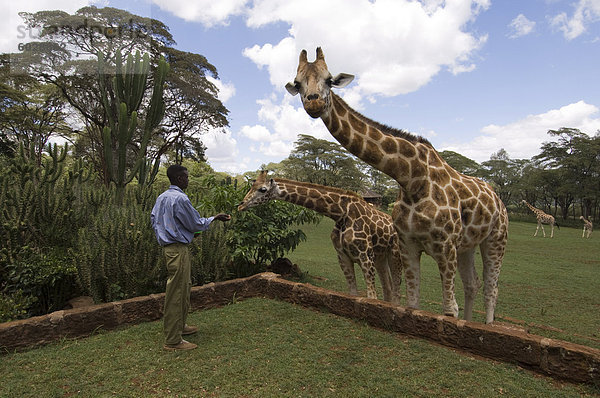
(439, 211)
(362, 234)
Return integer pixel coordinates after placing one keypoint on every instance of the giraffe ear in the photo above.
(341, 80)
(291, 88)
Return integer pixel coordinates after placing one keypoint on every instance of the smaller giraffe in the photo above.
(542, 218)
(362, 234)
(587, 226)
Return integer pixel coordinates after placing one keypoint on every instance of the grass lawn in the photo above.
(265, 348)
(547, 283)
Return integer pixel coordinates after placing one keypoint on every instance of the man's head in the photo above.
(178, 175)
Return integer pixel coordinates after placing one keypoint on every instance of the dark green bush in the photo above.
(45, 278)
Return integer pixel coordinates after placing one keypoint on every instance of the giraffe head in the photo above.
(314, 82)
(263, 189)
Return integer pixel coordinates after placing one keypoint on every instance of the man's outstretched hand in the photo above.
(223, 217)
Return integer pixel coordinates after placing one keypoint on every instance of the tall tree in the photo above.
(323, 162)
(574, 160)
(502, 172)
(31, 112)
(65, 57)
(461, 163)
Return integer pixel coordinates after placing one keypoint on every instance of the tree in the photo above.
(574, 162)
(129, 86)
(31, 112)
(323, 162)
(503, 173)
(65, 57)
(461, 163)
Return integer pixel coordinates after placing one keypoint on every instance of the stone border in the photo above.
(555, 358)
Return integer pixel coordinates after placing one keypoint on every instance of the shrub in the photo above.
(14, 306)
(45, 279)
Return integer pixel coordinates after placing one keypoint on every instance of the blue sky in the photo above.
(472, 76)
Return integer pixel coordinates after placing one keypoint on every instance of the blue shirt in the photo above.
(174, 219)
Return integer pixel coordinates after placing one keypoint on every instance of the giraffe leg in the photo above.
(492, 253)
(368, 269)
(347, 267)
(470, 280)
(552, 231)
(411, 260)
(447, 274)
(583, 234)
(544, 232)
(396, 268)
(385, 276)
(537, 229)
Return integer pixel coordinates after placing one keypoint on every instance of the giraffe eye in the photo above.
(262, 189)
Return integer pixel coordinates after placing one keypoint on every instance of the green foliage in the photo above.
(266, 232)
(45, 280)
(116, 254)
(322, 162)
(118, 138)
(14, 306)
(41, 207)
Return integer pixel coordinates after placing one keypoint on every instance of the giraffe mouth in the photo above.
(314, 107)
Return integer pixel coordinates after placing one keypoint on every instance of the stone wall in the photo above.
(551, 357)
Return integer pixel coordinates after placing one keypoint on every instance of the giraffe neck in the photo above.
(402, 156)
(324, 200)
(533, 209)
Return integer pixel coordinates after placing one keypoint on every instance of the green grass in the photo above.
(550, 282)
(265, 348)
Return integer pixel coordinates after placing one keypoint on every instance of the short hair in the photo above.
(175, 171)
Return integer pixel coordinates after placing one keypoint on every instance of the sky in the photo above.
(471, 76)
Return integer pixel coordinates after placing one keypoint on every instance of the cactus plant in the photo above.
(122, 109)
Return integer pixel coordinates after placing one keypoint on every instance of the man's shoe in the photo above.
(189, 330)
(183, 346)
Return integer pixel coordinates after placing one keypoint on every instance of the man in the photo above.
(175, 221)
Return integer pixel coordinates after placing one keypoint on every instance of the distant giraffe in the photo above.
(362, 234)
(587, 226)
(542, 218)
(439, 211)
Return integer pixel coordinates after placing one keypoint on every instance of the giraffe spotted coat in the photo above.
(362, 234)
(439, 211)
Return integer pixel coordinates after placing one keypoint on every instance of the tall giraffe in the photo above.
(439, 211)
(587, 226)
(542, 218)
(362, 234)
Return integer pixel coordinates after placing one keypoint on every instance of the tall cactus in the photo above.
(129, 88)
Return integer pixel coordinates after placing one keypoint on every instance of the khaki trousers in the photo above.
(177, 295)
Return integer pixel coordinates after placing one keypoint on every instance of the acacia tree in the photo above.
(31, 112)
(322, 162)
(461, 163)
(574, 162)
(65, 57)
(503, 173)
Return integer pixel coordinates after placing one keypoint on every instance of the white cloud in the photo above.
(281, 123)
(520, 26)
(523, 138)
(13, 30)
(208, 12)
(395, 47)
(226, 90)
(586, 12)
(222, 152)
